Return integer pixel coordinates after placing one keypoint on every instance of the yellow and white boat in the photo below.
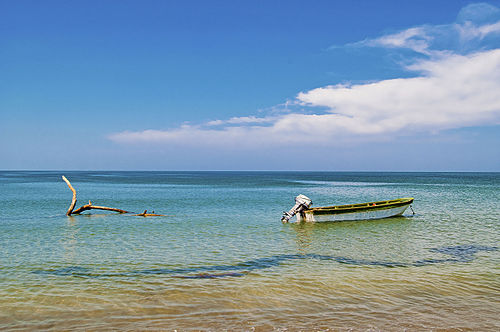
(361, 211)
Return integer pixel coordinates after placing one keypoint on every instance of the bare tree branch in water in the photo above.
(89, 206)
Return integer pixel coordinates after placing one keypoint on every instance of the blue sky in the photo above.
(250, 85)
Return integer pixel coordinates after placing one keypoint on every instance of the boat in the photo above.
(361, 211)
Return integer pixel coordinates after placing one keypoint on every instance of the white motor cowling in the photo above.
(302, 202)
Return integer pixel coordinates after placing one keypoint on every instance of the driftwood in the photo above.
(73, 201)
(89, 206)
(146, 214)
(95, 207)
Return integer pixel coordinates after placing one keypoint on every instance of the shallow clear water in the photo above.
(221, 259)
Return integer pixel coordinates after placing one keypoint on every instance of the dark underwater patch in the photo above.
(211, 275)
(459, 254)
(67, 271)
(463, 253)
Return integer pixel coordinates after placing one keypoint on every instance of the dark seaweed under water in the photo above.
(464, 253)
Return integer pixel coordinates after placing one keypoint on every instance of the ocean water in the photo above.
(221, 259)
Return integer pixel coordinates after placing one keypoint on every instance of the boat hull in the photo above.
(363, 211)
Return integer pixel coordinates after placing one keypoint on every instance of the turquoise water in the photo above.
(221, 259)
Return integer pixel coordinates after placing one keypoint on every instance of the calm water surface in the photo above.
(221, 259)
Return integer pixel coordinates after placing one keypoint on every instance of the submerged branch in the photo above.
(146, 214)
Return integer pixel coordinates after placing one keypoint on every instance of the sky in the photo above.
(250, 85)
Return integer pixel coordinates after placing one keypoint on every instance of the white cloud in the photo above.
(469, 31)
(474, 23)
(240, 120)
(453, 92)
(415, 39)
(456, 91)
(452, 89)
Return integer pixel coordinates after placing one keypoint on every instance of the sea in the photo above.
(221, 260)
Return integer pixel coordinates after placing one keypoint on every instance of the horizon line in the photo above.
(255, 171)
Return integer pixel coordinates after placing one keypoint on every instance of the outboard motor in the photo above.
(302, 202)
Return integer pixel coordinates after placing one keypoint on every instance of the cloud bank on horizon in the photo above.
(455, 85)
